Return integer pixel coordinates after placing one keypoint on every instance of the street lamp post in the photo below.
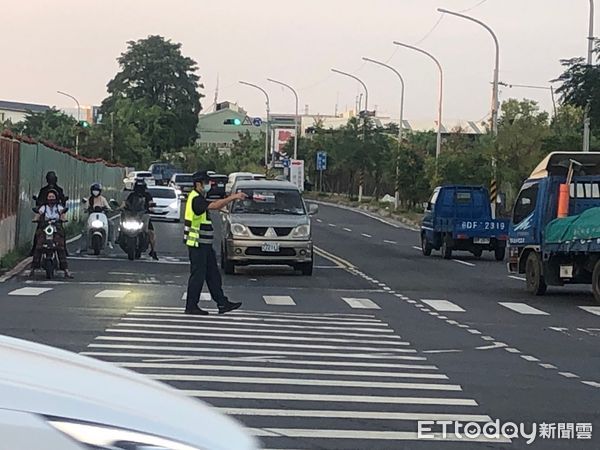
(438, 145)
(296, 127)
(586, 117)
(268, 130)
(400, 128)
(78, 119)
(529, 86)
(361, 180)
(495, 103)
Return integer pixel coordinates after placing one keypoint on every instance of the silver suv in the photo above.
(272, 226)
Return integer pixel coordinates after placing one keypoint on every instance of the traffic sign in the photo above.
(257, 121)
(286, 162)
(321, 160)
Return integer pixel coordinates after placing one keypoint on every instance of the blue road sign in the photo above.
(321, 160)
(257, 122)
(286, 162)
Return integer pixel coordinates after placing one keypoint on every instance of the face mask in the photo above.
(206, 188)
(95, 193)
(52, 201)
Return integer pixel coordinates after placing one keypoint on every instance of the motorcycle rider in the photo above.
(52, 185)
(97, 200)
(51, 210)
(140, 195)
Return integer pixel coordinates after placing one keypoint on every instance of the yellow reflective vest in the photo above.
(197, 229)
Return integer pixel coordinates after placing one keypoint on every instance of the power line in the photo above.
(474, 7)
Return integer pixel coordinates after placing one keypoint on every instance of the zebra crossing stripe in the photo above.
(29, 291)
(281, 300)
(361, 303)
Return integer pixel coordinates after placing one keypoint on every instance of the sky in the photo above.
(72, 45)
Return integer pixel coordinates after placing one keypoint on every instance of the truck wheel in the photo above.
(500, 253)
(446, 249)
(426, 247)
(596, 282)
(535, 282)
(477, 252)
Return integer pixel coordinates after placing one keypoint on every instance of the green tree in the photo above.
(156, 77)
(51, 125)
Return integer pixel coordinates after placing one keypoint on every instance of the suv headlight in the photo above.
(301, 231)
(105, 437)
(239, 230)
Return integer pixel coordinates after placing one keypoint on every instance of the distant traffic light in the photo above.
(83, 124)
(232, 122)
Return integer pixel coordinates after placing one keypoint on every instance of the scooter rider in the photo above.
(140, 194)
(51, 210)
(97, 200)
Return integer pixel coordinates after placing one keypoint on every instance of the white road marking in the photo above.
(394, 400)
(320, 220)
(443, 305)
(364, 434)
(474, 331)
(548, 366)
(517, 278)
(361, 303)
(278, 300)
(390, 242)
(347, 229)
(592, 383)
(29, 291)
(332, 225)
(487, 338)
(591, 309)
(350, 373)
(366, 235)
(110, 293)
(162, 261)
(524, 308)
(243, 351)
(307, 382)
(491, 347)
(512, 350)
(253, 344)
(529, 358)
(568, 375)
(379, 415)
(464, 263)
(165, 357)
(417, 248)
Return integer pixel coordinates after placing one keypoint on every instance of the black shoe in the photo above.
(230, 306)
(154, 256)
(196, 312)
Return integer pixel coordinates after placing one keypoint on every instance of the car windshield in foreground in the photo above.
(162, 193)
(270, 201)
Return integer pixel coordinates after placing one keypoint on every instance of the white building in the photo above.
(16, 111)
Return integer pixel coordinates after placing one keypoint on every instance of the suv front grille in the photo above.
(258, 231)
(279, 231)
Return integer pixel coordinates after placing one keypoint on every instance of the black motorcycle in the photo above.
(49, 262)
(132, 236)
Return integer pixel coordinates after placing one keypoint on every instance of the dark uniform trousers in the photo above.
(203, 266)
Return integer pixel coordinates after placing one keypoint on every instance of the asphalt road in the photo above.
(350, 358)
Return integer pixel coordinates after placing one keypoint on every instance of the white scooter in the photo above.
(97, 230)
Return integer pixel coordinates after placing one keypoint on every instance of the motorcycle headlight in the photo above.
(97, 224)
(104, 437)
(239, 230)
(301, 231)
(49, 230)
(132, 225)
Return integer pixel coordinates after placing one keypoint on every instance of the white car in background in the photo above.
(235, 177)
(167, 201)
(143, 174)
(51, 399)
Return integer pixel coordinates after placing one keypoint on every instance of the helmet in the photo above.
(96, 187)
(139, 185)
(200, 176)
(51, 177)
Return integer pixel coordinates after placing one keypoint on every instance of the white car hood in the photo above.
(164, 202)
(43, 380)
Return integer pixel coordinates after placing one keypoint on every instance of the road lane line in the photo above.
(366, 235)
(548, 366)
(523, 308)
(375, 399)
(111, 293)
(280, 300)
(517, 278)
(254, 336)
(529, 358)
(568, 375)
(170, 357)
(320, 220)
(592, 309)
(29, 291)
(242, 351)
(307, 382)
(464, 263)
(361, 303)
(417, 248)
(364, 434)
(255, 344)
(332, 225)
(592, 383)
(347, 229)
(344, 373)
(443, 305)
(390, 242)
(378, 415)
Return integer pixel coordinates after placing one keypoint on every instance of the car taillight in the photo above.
(462, 236)
(503, 237)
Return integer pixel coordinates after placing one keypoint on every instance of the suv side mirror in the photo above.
(313, 209)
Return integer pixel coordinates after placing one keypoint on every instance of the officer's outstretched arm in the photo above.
(220, 204)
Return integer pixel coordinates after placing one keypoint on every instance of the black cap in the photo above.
(200, 176)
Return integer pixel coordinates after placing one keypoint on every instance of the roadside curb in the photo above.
(16, 270)
(405, 224)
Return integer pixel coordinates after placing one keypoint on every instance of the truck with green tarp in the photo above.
(554, 236)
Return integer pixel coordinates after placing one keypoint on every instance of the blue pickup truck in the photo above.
(555, 241)
(460, 218)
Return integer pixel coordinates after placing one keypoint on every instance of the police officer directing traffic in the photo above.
(198, 236)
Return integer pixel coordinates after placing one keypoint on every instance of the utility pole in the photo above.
(586, 117)
(78, 119)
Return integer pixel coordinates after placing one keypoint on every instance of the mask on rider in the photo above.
(95, 193)
(206, 188)
(51, 201)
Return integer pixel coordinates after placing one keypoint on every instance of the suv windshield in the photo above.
(183, 178)
(270, 201)
(162, 193)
